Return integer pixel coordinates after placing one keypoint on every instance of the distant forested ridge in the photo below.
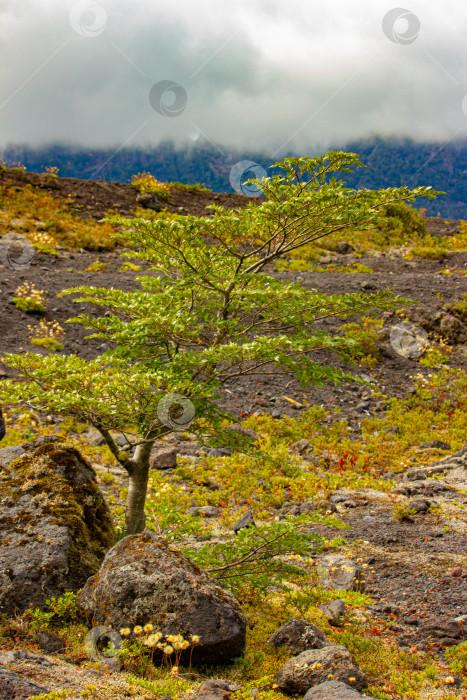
(390, 163)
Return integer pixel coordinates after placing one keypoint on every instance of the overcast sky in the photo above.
(268, 74)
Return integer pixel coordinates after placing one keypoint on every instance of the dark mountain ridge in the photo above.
(390, 162)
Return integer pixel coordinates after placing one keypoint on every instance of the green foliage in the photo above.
(299, 602)
(49, 343)
(433, 357)
(29, 299)
(146, 183)
(459, 308)
(366, 335)
(48, 221)
(399, 222)
(403, 512)
(210, 313)
(436, 252)
(97, 266)
(298, 265)
(39, 620)
(194, 187)
(128, 266)
(28, 305)
(263, 555)
(64, 606)
(457, 657)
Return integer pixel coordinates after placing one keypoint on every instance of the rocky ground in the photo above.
(417, 565)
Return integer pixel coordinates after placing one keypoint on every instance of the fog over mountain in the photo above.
(265, 75)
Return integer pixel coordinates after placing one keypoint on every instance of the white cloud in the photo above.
(257, 73)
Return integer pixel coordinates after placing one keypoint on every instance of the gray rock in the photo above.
(149, 200)
(93, 437)
(422, 473)
(413, 620)
(8, 454)
(246, 432)
(55, 525)
(215, 689)
(337, 572)
(300, 446)
(333, 690)
(451, 327)
(338, 498)
(219, 452)
(12, 687)
(14, 656)
(143, 579)
(298, 635)
(315, 666)
(458, 459)
(121, 440)
(110, 664)
(334, 611)
(344, 248)
(419, 505)
(387, 607)
(164, 458)
(204, 511)
(436, 444)
(246, 520)
(443, 627)
(50, 642)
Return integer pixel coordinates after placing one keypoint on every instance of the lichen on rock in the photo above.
(143, 579)
(55, 526)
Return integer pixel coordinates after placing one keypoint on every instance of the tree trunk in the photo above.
(134, 518)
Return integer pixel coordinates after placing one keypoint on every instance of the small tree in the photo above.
(206, 312)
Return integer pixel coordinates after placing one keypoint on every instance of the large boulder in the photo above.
(216, 689)
(145, 580)
(12, 687)
(333, 690)
(317, 666)
(298, 635)
(55, 526)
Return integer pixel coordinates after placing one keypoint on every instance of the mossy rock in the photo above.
(143, 579)
(55, 526)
